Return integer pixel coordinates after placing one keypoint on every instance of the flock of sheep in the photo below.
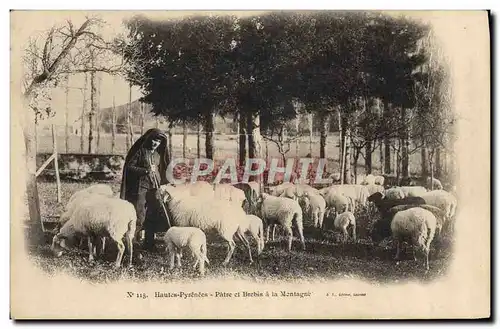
(409, 214)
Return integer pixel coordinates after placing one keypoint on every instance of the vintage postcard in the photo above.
(250, 165)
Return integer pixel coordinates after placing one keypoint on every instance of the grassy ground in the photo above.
(323, 259)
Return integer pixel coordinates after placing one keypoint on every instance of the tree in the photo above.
(47, 59)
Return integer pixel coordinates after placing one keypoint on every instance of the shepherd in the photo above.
(143, 173)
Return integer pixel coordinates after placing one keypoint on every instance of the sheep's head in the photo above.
(58, 245)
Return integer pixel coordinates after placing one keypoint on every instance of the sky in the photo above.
(444, 26)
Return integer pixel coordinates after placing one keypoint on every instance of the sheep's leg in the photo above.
(274, 232)
(301, 237)
(426, 251)
(398, 246)
(268, 228)
(243, 239)
(289, 233)
(231, 246)
(130, 247)
(354, 233)
(178, 255)
(121, 250)
(91, 248)
(344, 234)
(103, 244)
(259, 244)
(171, 252)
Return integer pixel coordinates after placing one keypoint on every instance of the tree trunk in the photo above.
(142, 117)
(170, 143)
(341, 142)
(254, 138)
(404, 144)
(113, 126)
(438, 163)
(36, 232)
(387, 143)
(297, 140)
(184, 139)
(209, 135)
(311, 117)
(66, 117)
(98, 113)
(357, 152)
(82, 119)
(323, 134)
(242, 139)
(423, 161)
(347, 172)
(382, 156)
(368, 157)
(198, 140)
(129, 117)
(92, 110)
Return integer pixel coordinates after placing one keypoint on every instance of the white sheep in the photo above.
(279, 189)
(229, 193)
(340, 202)
(436, 184)
(207, 214)
(100, 216)
(412, 191)
(416, 226)
(192, 238)
(379, 180)
(314, 205)
(297, 191)
(254, 226)
(359, 193)
(443, 200)
(199, 188)
(342, 222)
(78, 197)
(369, 180)
(286, 212)
(374, 188)
(394, 193)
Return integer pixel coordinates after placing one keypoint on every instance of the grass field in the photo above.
(324, 258)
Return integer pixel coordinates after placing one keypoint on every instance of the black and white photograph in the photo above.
(321, 164)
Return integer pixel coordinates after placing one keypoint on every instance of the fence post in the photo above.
(56, 164)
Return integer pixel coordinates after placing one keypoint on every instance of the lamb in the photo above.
(416, 226)
(277, 210)
(342, 222)
(178, 238)
(409, 191)
(254, 226)
(100, 216)
(314, 205)
(297, 191)
(394, 193)
(223, 216)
